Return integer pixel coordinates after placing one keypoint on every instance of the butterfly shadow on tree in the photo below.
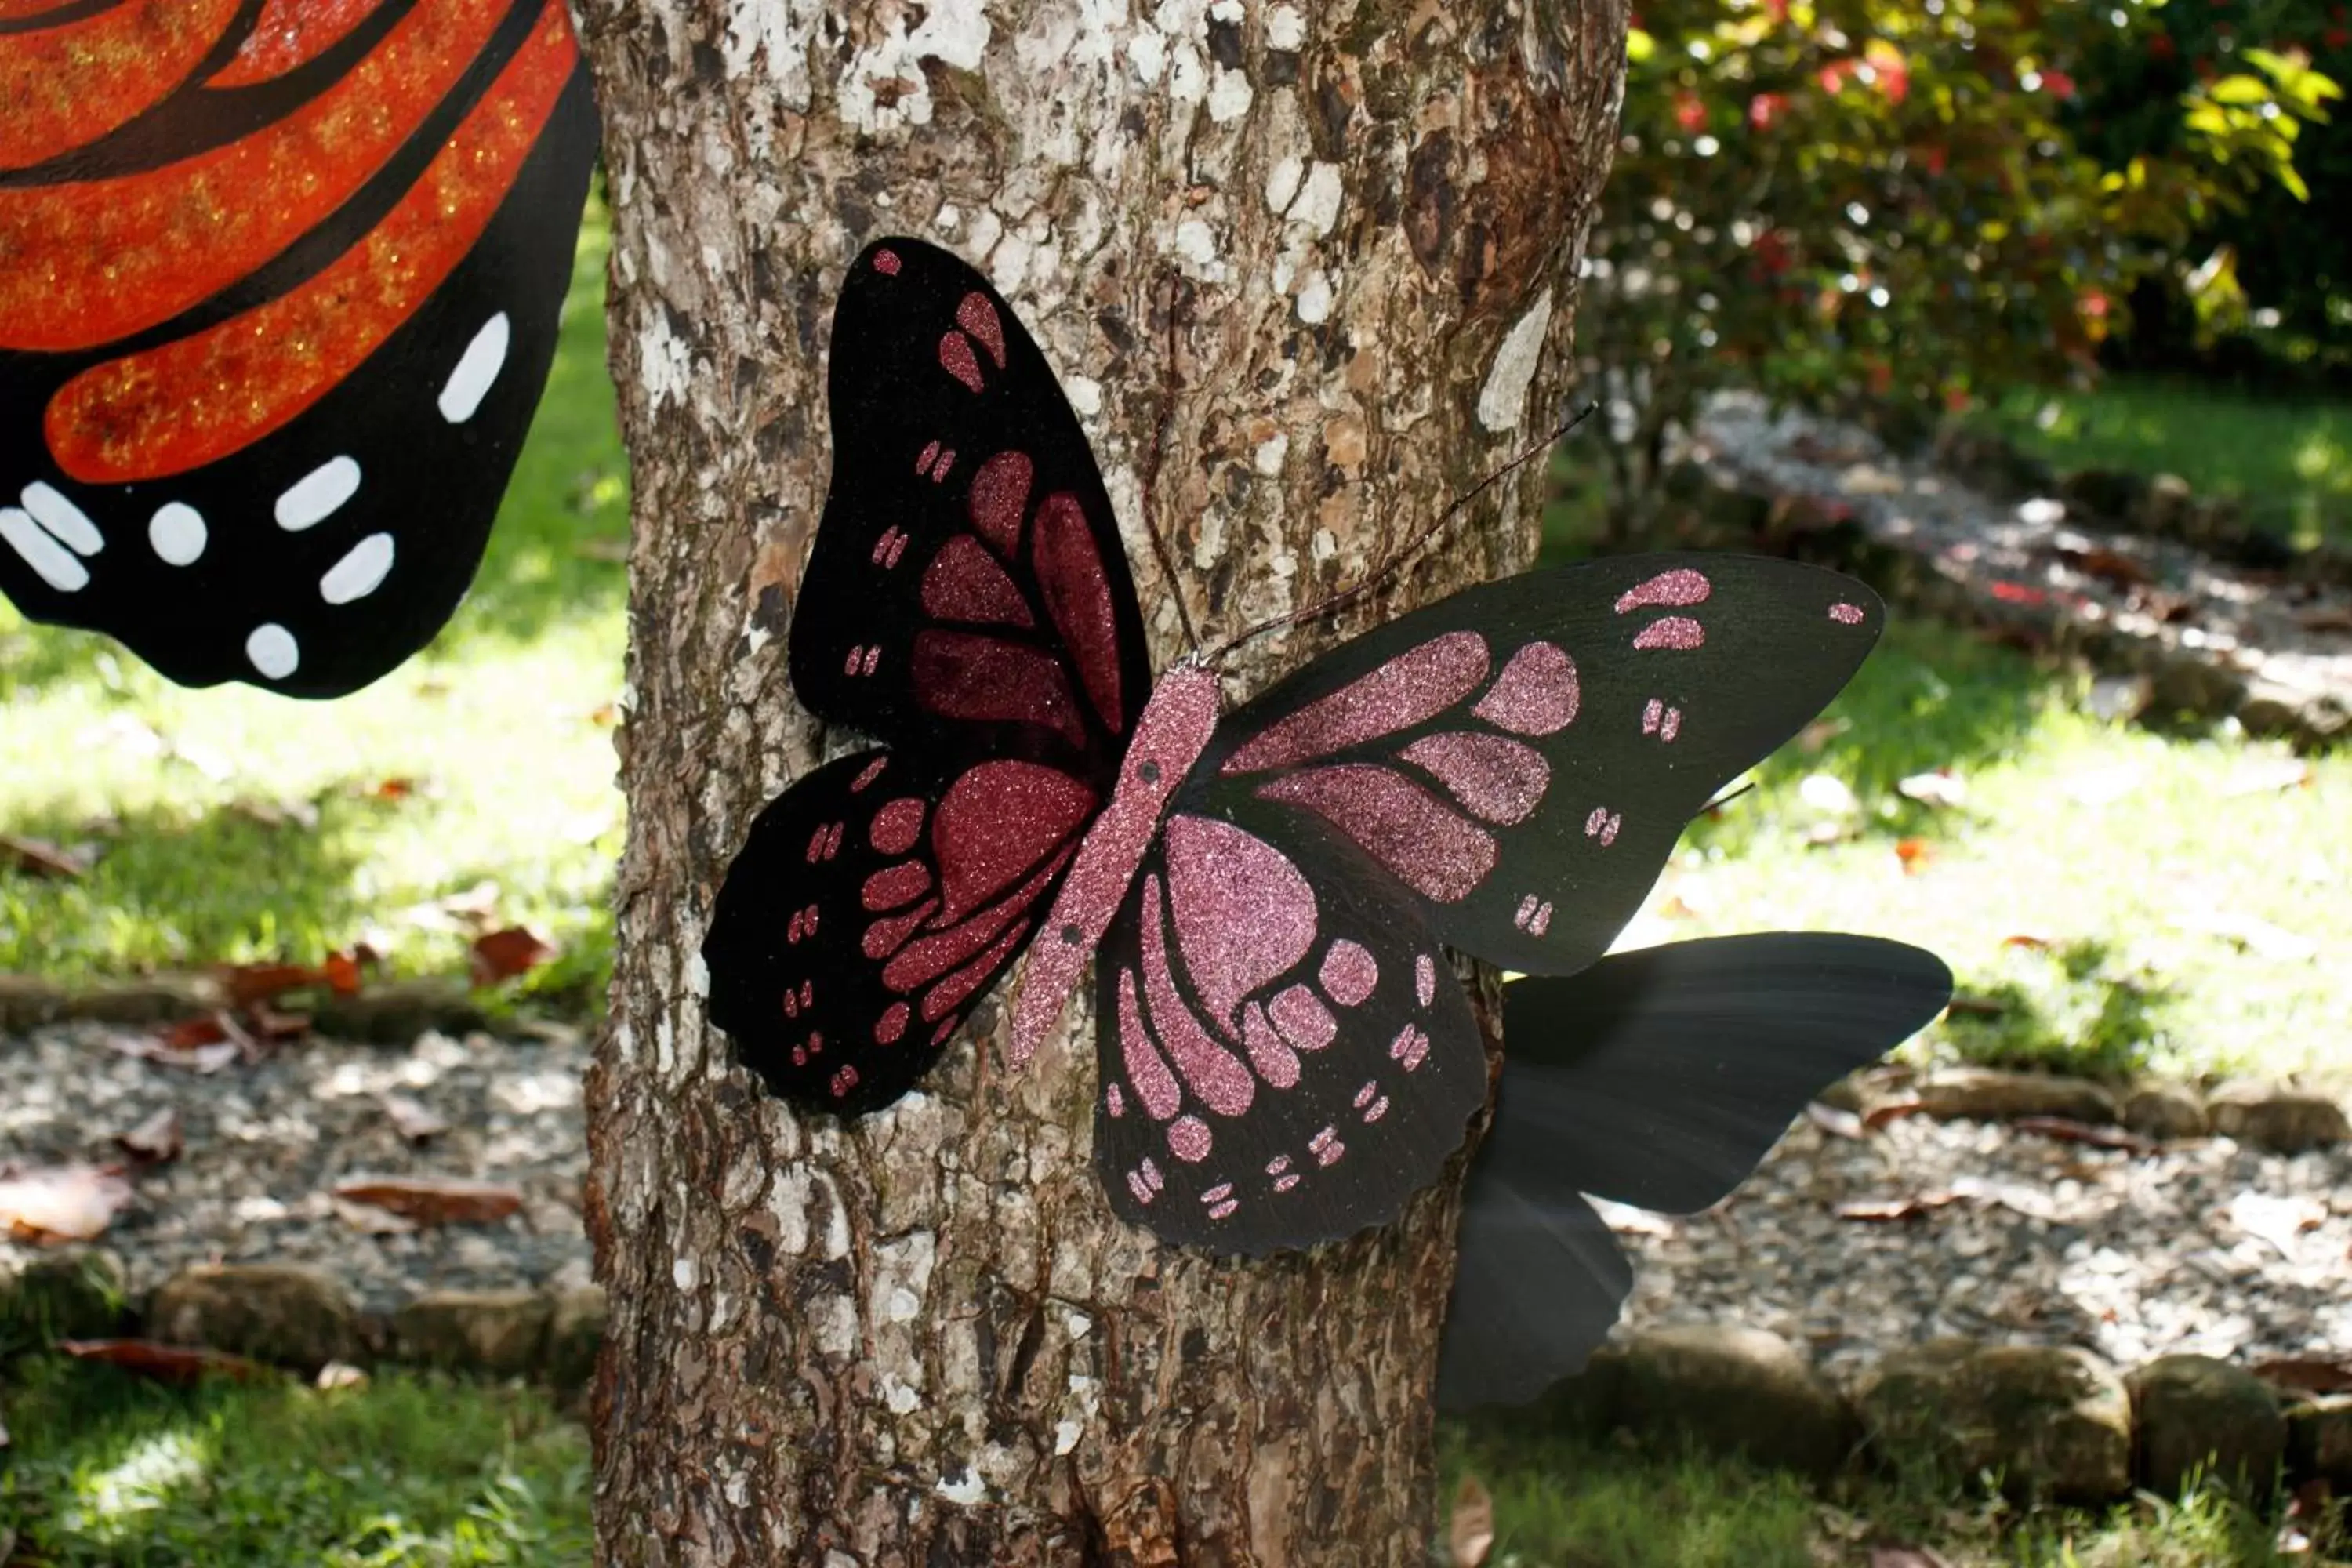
(1266, 894)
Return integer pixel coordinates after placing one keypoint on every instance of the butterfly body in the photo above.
(1265, 892)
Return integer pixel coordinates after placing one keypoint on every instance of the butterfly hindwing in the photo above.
(271, 451)
(872, 905)
(1284, 1059)
(1519, 758)
(1659, 1078)
(967, 590)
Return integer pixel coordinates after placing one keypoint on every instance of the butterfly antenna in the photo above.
(1725, 798)
(1169, 385)
(1398, 557)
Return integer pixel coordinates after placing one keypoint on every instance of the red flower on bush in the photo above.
(1832, 77)
(1690, 113)
(1765, 108)
(2159, 47)
(2058, 85)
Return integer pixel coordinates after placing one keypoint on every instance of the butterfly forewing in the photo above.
(1519, 759)
(1659, 1078)
(1283, 1058)
(968, 591)
(283, 289)
(967, 602)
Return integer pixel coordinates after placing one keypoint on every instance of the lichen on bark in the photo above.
(1284, 259)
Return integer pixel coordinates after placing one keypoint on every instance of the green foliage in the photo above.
(403, 1473)
(1872, 197)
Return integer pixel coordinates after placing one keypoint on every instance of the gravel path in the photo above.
(2201, 1245)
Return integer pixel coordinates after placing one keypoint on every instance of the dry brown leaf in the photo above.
(434, 1200)
(370, 1220)
(413, 1118)
(2073, 1132)
(342, 973)
(208, 1056)
(2032, 941)
(1895, 1208)
(1914, 854)
(62, 1203)
(1470, 1535)
(248, 984)
(168, 1363)
(155, 1140)
(1885, 1111)
(503, 954)
(39, 857)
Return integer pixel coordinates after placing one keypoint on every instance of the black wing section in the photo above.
(1520, 758)
(1659, 1078)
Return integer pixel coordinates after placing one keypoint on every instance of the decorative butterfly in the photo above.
(1284, 1057)
(279, 282)
(1659, 1078)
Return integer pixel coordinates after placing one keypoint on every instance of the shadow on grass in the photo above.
(178, 886)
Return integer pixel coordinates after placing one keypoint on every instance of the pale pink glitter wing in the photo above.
(1516, 762)
(1283, 1058)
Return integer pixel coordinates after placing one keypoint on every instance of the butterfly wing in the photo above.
(1659, 1078)
(1519, 759)
(264, 438)
(1284, 1059)
(968, 603)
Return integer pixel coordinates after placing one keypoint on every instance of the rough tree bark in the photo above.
(923, 1340)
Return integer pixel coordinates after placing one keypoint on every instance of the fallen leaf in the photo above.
(2276, 1220)
(340, 1374)
(2014, 1196)
(62, 1203)
(177, 1364)
(370, 1220)
(503, 954)
(207, 1057)
(390, 789)
(413, 1118)
(2072, 1131)
(1471, 1534)
(1821, 733)
(1886, 1111)
(1906, 1208)
(1836, 1123)
(155, 1140)
(342, 973)
(2032, 941)
(39, 857)
(2250, 933)
(2267, 775)
(250, 982)
(1941, 787)
(1822, 834)
(434, 1200)
(1914, 854)
(2309, 1374)
(1826, 793)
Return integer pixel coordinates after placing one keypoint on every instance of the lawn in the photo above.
(2113, 896)
(2287, 462)
(409, 1471)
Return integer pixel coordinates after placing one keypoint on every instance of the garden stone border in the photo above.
(1830, 491)
(389, 1012)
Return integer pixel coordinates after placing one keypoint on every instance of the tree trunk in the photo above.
(1306, 273)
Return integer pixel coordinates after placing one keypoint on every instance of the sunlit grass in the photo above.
(2287, 463)
(105, 1470)
(232, 825)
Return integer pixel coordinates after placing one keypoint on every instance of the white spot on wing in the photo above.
(478, 367)
(177, 533)
(314, 496)
(273, 651)
(360, 572)
(72, 525)
(53, 561)
(1503, 401)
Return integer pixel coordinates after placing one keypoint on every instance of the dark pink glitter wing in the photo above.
(1517, 761)
(872, 907)
(966, 603)
(1283, 1058)
(967, 591)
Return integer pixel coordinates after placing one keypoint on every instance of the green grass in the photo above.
(108, 1469)
(1565, 1502)
(501, 728)
(2288, 463)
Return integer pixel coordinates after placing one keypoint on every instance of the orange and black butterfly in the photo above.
(280, 284)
